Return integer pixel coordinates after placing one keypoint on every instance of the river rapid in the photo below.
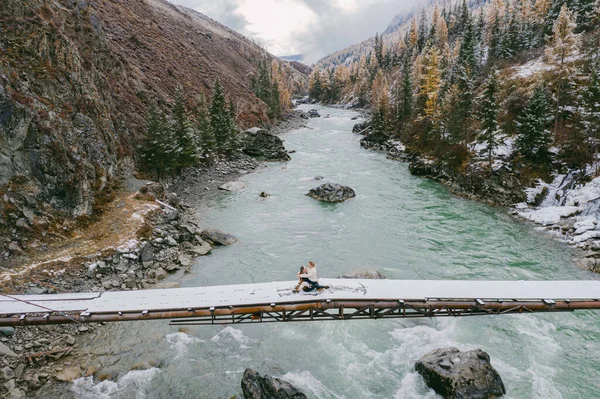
(405, 227)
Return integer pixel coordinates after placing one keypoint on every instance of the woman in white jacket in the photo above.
(309, 279)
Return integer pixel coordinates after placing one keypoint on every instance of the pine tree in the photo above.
(532, 126)
(234, 143)
(362, 81)
(184, 135)
(261, 85)
(157, 150)
(464, 106)
(495, 46)
(563, 44)
(488, 116)
(314, 84)
(466, 55)
(220, 119)
(451, 121)
(204, 130)
(404, 108)
(422, 32)
(590, 106)
(378, 48)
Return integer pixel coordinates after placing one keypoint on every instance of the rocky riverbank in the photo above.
(568, 208)
(167, 242)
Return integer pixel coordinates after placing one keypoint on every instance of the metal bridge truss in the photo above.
(358, 310)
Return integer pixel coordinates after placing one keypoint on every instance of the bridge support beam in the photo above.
(311, 310)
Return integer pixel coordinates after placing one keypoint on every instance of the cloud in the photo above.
(313, 28)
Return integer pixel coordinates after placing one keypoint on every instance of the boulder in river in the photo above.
(362, 127)
(329, 192)
(313, 113)
(217, 237)
(259, 143)
(461, 375)
(256, 386)
(232, 186)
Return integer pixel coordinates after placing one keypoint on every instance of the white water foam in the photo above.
(412, 386)
(235, 335)
(180, 342)
(306, 382)
(131, 385)
(542, 385)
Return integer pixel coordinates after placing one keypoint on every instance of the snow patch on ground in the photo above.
(538, 65)
(549, 215)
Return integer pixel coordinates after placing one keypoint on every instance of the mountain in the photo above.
(497, 96)
(295, 57)
(76, 80)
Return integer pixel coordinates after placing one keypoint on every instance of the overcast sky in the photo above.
(313, 28)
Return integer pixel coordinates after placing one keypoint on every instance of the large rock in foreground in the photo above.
(460, 375)
(256, 386)
(258, 143)
(331, 193)
(217, 237)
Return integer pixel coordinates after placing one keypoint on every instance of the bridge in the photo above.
(346, 299)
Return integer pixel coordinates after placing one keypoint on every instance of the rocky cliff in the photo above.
(76, 79)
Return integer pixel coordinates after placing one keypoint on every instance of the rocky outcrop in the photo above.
(329, 192)
(76, 83)
(376, 141)
(424, 167)
(258, 143)
(217, 237)
(362, 128)
(501, 187)
(460, 375)
(257, 386)
(313, 113)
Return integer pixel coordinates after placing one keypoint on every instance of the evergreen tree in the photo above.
(183, 133)
(564, 43)
(422, 32)
(204, 130)
(266, 87)
(452, 124)
(261, 85)
(404, 108)
(488, 116)
(466, 56)
(532, 126)
(234, 143)
(315, 88)
(157, 150)
(590, 106)
(220, 119)
(378, 48)
(464, 106)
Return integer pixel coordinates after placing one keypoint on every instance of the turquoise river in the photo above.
(405, 227)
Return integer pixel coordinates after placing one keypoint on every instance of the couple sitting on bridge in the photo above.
(308, 279)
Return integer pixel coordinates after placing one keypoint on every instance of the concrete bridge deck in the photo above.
(275, 301)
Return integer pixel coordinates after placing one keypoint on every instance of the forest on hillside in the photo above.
(461, 82)
(189, 132)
